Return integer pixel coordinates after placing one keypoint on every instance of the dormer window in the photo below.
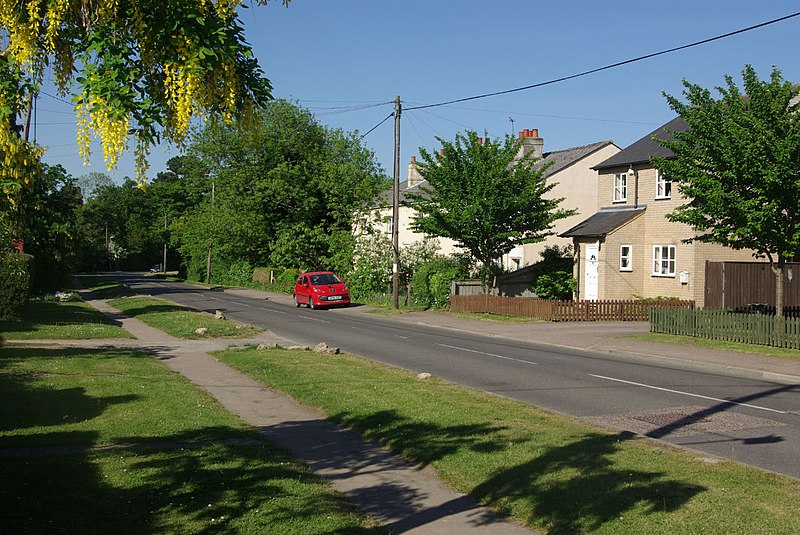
(621, 187)
(663, 186)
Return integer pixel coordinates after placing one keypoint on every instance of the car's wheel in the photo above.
(296, 302)
(311, 304)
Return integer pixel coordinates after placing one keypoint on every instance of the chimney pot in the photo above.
(535, 132)
(413, 159)
(480, 141)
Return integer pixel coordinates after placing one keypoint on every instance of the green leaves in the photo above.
(483, 196)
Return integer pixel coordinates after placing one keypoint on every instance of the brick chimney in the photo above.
(532, 144)
(414, 177)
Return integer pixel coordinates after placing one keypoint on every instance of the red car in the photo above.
(319, 289)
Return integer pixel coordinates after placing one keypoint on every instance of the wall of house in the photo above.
(653, 229)
(577, 185)
(405, 235)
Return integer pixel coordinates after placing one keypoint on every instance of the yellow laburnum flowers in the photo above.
(178, 72)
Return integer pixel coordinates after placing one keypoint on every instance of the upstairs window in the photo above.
(625, 258)
(664, 260)
(663, 186)
(620, 187)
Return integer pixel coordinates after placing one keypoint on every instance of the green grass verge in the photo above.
(768, 351)
(103, 287)
(61, 321)
(196, 469)
(552, 472)
(180, 321)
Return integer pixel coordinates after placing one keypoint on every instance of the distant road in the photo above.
(754, 422)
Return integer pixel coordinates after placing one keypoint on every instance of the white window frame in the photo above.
(664, 260)
(620, 187)
(663, 186)
(626, 260)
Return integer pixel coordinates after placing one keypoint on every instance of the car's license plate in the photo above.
(334, 297)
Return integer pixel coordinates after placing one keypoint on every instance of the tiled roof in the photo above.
(562, 159)
(641, 151)
(602, 222)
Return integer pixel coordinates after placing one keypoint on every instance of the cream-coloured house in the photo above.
(628, 248)
(571, 169)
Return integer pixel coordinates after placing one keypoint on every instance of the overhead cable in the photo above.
(606, 67)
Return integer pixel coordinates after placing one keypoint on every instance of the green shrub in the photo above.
(431, 282)
(15, 284)
(557, 285)
(238, 273)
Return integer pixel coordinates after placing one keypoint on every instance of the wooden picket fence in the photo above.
(525, 307)
(723, 325)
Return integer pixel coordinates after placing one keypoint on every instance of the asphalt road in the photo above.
(753, 422)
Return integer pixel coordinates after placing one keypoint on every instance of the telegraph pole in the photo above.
(396, 208)
(164, 263)
(208, 261)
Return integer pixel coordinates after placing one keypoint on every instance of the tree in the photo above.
(484, 197)
(739, 167)
(287, 191)
(143, 68)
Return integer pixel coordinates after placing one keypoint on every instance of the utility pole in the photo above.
(164, 264)
(396, 208)
(208, 262)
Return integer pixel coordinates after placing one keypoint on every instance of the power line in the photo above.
(596, 119)
(607, 67)
(45, 93)
(377, 125)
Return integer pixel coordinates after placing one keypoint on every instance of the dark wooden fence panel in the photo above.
(739, 284)
(560, 310)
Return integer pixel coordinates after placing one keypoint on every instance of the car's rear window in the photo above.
(325, 278)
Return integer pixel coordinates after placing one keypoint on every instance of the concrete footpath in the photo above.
(396, 494)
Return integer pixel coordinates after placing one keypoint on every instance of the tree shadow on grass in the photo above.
(578, 487)
(424, 442)
(47, 314)
(26, 404)
(575, 487)
(155, 309)
(240, 485)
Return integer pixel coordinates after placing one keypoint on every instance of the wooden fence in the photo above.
(634, 310)
(760, 329)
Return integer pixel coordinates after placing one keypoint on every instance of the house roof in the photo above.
(561, 159)
(641, 151)
(603, 222)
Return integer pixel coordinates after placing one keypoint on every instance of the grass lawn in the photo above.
(68, 418)
(553, 473)
(768, 351)
(103, 287)
(60, 321)
(180, 321)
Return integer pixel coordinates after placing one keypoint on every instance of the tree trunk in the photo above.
(778, 272)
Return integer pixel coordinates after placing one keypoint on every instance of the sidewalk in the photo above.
(396, 494)
(600, 337)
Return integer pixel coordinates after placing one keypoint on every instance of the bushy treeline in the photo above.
(285, 192)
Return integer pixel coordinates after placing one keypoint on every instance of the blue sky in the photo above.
(333, 57)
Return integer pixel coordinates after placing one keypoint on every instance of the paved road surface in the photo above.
(752, 421)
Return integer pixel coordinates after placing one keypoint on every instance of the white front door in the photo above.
(591, 278)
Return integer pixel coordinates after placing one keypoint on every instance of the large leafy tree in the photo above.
(286, 193)
(48, 225)
(482, 195)
(140, 69)
(738, 165)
